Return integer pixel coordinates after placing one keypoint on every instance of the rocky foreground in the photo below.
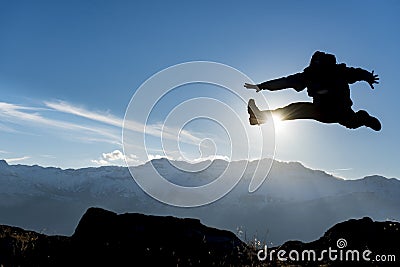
(104, 238)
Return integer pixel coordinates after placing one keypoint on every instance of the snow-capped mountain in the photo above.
(294, 202)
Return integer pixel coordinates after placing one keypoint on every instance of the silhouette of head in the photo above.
(322, 60)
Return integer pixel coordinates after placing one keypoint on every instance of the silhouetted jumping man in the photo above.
(328, 84)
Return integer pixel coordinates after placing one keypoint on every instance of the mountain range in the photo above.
(293, 203)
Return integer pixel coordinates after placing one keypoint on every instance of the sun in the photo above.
(278, 122)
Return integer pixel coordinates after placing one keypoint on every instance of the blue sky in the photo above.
(69, 68)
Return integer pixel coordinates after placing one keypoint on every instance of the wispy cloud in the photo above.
(338, 172)
(152, 129)
(65, 107)
(11, 160)
(7, 129)
(88, 126)
(18, 114)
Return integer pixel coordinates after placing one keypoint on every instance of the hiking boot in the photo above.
(256, 116)
(370, 121)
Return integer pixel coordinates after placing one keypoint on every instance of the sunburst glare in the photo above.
(278, 122)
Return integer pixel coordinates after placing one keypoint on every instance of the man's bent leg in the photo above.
(294, 111)
(361, 118)
(303, 110)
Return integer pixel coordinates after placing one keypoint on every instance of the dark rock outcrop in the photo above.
(103, 238)
(165, 241)
(19, 247)
(348, 241)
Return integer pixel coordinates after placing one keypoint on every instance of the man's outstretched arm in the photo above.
(357, 74)
(295, 81)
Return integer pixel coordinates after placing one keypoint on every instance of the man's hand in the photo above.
(252, 86)
(373, 79)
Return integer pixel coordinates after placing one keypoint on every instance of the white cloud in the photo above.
(101, 162)
(133, 160)
(11, 160)
(212, 158)
(116, 157)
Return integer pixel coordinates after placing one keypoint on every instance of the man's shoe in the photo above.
(256, 115)
(370, 121)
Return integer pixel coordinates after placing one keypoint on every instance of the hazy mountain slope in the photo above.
(293, 203)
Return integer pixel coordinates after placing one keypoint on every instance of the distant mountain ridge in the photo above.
(52, 200)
